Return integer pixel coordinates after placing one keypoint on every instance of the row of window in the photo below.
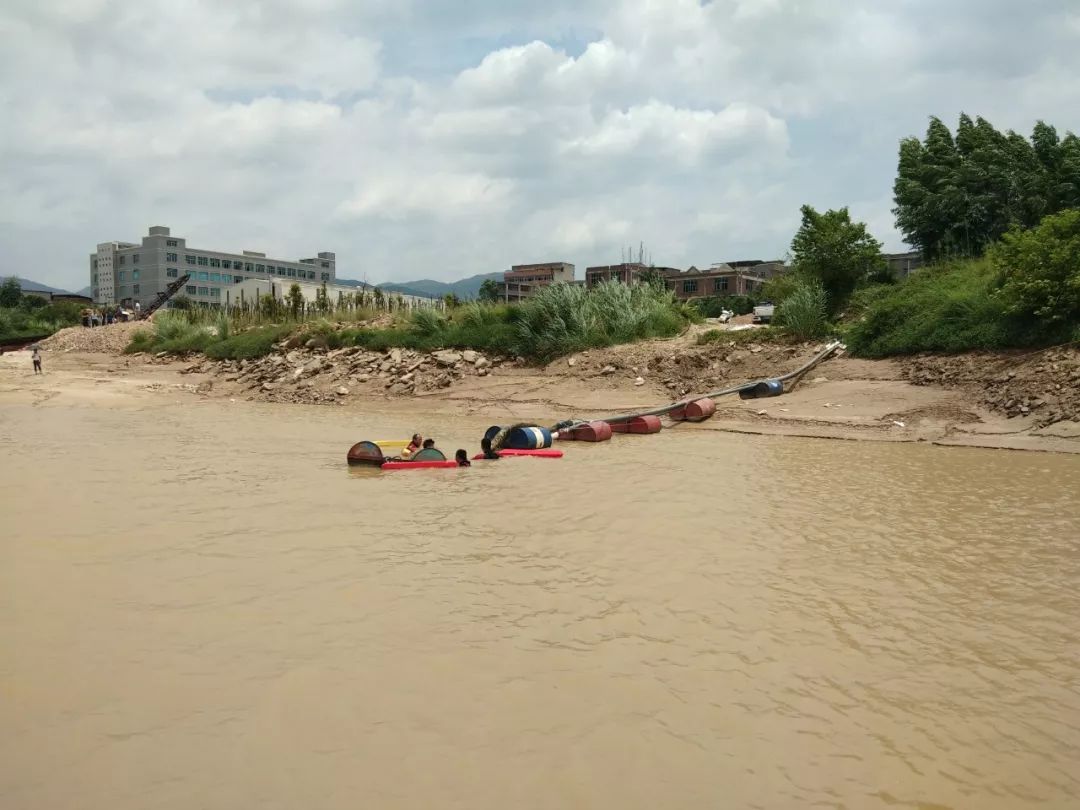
(121, 275)
(213, 292)
(719, 285)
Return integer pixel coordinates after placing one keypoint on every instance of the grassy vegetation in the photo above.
(765, 334)
(174, 333)
(804, 313)
(32, 317)
(950, 307)
(559, 320)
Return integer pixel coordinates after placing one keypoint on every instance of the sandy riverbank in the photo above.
(844, 398)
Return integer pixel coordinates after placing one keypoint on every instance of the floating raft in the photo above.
(511, 453)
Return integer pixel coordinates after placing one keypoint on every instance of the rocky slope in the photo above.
(1043, 384)
(319, 376)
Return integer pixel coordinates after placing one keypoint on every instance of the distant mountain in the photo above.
(26, 284)
(465, 288)
(85, 291)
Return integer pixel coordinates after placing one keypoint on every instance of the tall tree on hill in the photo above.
(834, 251)
(10, 293)
(955, 197)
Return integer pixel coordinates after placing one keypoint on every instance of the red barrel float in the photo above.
(589, 432)
(639, 424)
(697, 411)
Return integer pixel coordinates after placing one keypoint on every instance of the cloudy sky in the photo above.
(442, 138)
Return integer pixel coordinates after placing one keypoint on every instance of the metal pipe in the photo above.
(666, 409)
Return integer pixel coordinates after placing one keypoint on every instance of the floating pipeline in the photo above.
(691, 409)
(528, 439)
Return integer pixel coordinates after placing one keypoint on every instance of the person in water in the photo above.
(462, 459)
(485, 445)
(414, 445)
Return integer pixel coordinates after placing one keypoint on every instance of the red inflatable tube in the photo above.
(418, 465)
(546, 453)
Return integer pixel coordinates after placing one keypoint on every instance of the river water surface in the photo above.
(202, 607)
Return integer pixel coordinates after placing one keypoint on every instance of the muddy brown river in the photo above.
(202, 607)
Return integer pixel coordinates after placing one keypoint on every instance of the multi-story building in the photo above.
(627, 273)
(125, 273)
(523, 280)
(718, 280)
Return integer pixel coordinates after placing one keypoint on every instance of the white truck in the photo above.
(763, 312)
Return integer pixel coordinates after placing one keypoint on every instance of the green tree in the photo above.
(295, 300)
(181, 302)
(489, 291)
(834, 251)
(451, 301)
(957, 196)
(377, 297)
(10, 293)
(1040, 269)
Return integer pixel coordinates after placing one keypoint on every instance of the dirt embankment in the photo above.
(990, 400)
(1043, 385)
(315, 375)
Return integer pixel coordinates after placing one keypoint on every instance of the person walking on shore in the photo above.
(36, 357)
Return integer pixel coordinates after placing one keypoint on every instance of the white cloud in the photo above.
(686, 136)
(445, 195)
(422, 139)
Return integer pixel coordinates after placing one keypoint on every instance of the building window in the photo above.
(325, 276)
(215, 292)
(292, 272)
(190, 289)
(249, 267)
(204, 290)
(202, 275)
(121, 260)
(135, 258)
(171, 272)
(720, 284)
(204, 261)
(170, 257)
(325, 264)
(171, 243)
(93, 263)
(689, 286)
(121, 275)
(189, 259)
(135, 289)
(215, 262)
(259, 268)
(311, 274)
(93, 278)
(134, 275)
(215, 276)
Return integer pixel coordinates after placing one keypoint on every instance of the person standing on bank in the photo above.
(36, 357)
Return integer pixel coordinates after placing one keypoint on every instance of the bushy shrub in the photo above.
(565, 318)
(427, 321)
(804, 313)
(1039, 270)
(949, 308)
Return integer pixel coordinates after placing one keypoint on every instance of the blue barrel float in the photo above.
(522, 438)
(765, 388)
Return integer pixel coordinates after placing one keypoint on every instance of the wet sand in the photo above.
(844, 398)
